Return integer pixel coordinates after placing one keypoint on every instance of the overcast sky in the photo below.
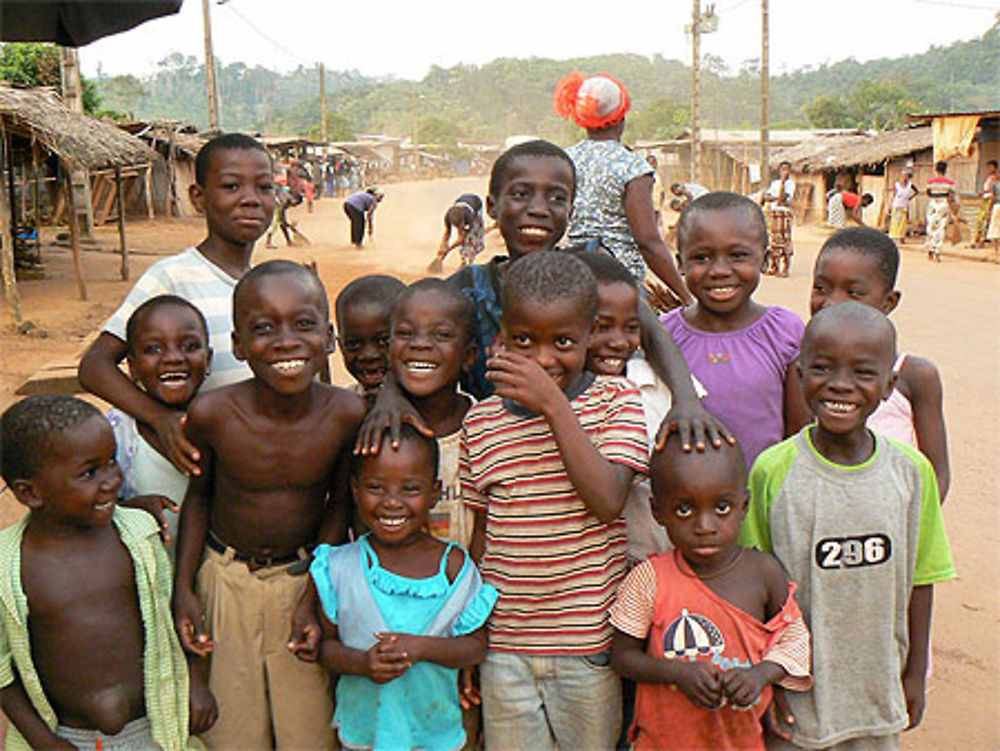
(404, 38)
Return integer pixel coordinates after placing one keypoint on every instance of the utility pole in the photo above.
(72, 94)
(211, 91)
(696, 91)
(416, 129)
(765, 86)
(323, 132)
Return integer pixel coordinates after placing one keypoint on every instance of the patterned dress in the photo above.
(603, 171)
(939, 190)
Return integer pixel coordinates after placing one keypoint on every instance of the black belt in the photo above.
(252, 561)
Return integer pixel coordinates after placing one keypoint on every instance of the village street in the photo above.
(948, 313)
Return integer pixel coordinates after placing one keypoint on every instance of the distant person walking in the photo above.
(905, 192)
(360, 209)
(989, 209)
(942, 205)
(614, 186)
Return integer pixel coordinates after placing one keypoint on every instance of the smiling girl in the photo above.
(741, 351)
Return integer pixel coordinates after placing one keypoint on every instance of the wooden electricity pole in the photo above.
(696, 91)
(210, 88)
(765, 86)
(323, 132)
(72, 94)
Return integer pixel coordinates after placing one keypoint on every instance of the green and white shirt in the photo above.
(164, 667)
(857, 540)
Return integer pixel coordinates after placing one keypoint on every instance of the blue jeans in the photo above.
(541, 702)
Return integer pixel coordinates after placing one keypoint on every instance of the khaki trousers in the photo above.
(267, 697)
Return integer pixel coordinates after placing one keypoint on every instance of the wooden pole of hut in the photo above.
(148, 184)
(7, 238)
(120, 201)
(35, 161)
(74, 234)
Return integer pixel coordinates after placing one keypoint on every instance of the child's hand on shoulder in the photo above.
(154, 505)
(701, 683)
(183, 454)
(520, 378)
(388, 659)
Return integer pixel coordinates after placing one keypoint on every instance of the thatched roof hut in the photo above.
(159, 132)
(79, 140)
(81, 144)
(178, 144)
(836, 152)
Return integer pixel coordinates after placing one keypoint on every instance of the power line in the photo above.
(968, 6)
(730, 8)
(263, 35)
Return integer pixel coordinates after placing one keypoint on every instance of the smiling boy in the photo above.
(856, 520)
(273, 485)
(234, 190)
(88, 656)
(546, 465)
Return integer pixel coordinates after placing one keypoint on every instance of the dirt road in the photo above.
(949, 313)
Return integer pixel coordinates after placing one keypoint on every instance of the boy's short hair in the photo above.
(855, 316)
(870, 242)
(662, 461)
(226, 141)
(153, 303)
(547, 277)
(719, 200)
(26, 431)
(536, 148)
(276, 267)
(941, 167)
(605, 267)
(784, 163)
(380, 289)
(407, 434)
(447, 293)
(994, 162)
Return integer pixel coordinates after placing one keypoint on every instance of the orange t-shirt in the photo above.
(694, 623)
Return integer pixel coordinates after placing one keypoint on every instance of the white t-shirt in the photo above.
(774, 190)
(206, 286)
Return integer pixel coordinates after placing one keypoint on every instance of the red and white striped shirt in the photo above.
(556, 565)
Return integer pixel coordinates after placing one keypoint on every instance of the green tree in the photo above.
(37, 64)
(880, 105)
(30, 64)
(828, 112)
(663, 119)
(875, 105)
(123, 94)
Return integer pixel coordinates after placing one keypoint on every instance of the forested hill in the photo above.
(509, 96)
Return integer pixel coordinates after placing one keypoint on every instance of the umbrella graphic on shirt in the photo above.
(692, 635)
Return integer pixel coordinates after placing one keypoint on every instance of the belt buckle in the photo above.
(255, 563)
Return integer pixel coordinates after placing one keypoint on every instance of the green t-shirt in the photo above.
(856, 539)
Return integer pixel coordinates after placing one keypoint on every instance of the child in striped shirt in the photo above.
(546, 464)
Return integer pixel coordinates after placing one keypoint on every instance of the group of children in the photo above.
(504, 567)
